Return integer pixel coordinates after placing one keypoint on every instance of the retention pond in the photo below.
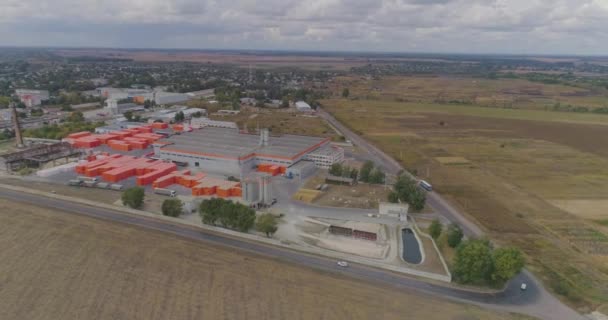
(411, 247)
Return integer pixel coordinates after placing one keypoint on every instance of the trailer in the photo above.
(165, 192)
(89, 184)
(74, 182)
(103, 185)
(84, 178)
(116, 187)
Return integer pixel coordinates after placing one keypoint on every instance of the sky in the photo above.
(439, 26)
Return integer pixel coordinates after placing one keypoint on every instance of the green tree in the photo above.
(365, 171)
(128, 115)
(76, 116)
(133, 197)
(454, 235)
(473, 262)
(227, 214)
(435, 229)
(179, 116)
(345, 93)
(336, 170)
(508, 262)
(377, 176)
(4, 101)
(393, 197)
(354, 174)
(408, 191)
(172, 207)
(267, 223)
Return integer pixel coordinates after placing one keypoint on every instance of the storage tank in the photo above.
(265, 190)
(251, 190)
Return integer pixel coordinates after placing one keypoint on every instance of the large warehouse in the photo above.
(227, 151)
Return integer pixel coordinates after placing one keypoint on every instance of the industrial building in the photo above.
(227, 151)
(32, 98)
(303, 106)
(326, 156)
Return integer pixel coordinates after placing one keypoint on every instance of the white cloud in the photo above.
(510, 26)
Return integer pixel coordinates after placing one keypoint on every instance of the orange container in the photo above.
(79, 134)
(160, 125)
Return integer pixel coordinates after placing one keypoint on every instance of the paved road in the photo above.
(512, 299)
(442, 207)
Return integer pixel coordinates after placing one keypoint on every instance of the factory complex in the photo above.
(228, 151)
(220, 160)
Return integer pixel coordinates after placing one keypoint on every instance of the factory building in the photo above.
(227, 151)
(32, 98)
(202, 122)
(326, 156)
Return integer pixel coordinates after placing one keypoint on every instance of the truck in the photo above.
(165, 192)
(74, 182)
(83, 178)
(116, 187)
(89, 184)
(425, 185)
(103, 185)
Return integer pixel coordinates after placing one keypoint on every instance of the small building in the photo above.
(326, 156)
(170, 97)
(302, 106)
(31, 97)
(395, 210)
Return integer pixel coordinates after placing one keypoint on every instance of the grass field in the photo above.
(63, 266)
(280, 122)
(521, 166)
(498, 93)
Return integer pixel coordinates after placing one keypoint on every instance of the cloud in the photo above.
(496, 26)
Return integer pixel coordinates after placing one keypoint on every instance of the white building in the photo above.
(395, 210)
(32, 98)
(303, 106)
(326, 156)
(202, 122)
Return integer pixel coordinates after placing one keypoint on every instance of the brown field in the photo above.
(280, 122)
(500, 93)
(64, 266)
(519, 167)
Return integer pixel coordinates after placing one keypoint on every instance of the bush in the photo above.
(172, 207)
(435, 229)
(133, 197)
(454, 235)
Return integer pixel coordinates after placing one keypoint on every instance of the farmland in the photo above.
(59, 265)
(526, 176)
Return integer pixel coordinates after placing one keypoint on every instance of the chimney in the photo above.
(18, 137)
(264, 137)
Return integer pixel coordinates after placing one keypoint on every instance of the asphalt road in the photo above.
(532, 301)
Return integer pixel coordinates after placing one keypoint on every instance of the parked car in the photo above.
(343, 264)
(523, 286)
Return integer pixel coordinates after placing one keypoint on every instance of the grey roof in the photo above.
(229, 142)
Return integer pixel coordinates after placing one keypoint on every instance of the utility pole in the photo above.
(18, 138)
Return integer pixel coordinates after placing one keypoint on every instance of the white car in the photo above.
(523, 286)
(343, 264)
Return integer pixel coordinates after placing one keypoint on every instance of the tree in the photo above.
(435, 229)
(227, 213)
(454, 235)
(508, 262)
(76, 116)
(365, 171)
(473, 262)
(354, 173)
(267, 223)
(345, 93)
(377, 176)
(179, 116)
(336, 170)
(133, 197)
(172, 207)
(285, 103)
(393, 197)
(408, 191)
(128, 115)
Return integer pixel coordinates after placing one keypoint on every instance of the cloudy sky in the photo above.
(469, 26)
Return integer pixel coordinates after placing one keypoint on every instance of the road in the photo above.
(443, 208)
(532, 301)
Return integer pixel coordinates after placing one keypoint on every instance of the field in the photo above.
(281, 121)
(498, 93)
(530, 178)
(63, 266)
(362, 195)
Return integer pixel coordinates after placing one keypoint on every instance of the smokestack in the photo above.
(17, 127)
(264, 137)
